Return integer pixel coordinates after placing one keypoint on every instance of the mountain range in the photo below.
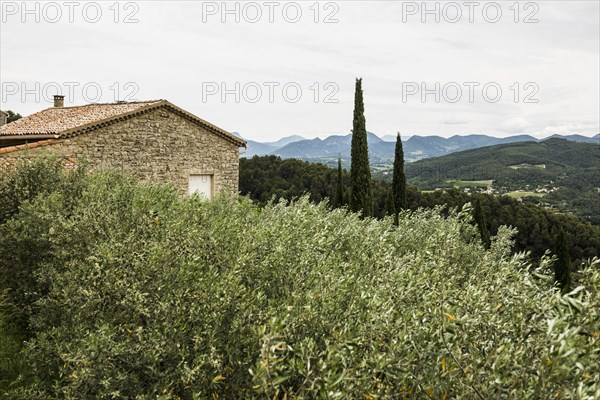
(381, 149)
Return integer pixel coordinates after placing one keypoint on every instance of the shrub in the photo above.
(23, 242)
(151, 295)
(10, 348)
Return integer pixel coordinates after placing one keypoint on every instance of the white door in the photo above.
(201, 184)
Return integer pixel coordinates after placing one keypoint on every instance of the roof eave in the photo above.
(30, 136)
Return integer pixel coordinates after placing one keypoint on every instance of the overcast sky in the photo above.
(289, 67)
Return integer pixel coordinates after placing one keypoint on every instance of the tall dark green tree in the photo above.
(390, 207)
(399, 179)
(361, 196)
(480, 220)
(347, 195)
(562, 268)
(339, 193)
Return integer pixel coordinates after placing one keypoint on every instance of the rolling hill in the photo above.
(559, 172)
(509, 162)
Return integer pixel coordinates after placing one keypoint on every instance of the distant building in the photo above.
(155, 140)
(3, 118)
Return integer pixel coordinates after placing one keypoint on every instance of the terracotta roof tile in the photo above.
(59, 119)
(68, 121)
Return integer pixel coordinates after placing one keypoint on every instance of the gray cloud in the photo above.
(171, 53)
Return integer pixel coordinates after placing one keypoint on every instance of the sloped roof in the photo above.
(63, 122)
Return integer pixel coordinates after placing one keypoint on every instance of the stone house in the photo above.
(155, 140)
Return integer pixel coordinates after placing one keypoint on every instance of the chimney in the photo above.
(59, 100)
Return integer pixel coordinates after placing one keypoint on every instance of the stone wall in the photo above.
(157, 146)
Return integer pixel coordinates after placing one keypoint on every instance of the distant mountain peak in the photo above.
(382, 151)
(373, 137)
(287, 140)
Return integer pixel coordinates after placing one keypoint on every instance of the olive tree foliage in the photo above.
(22, 242)
(153, 295)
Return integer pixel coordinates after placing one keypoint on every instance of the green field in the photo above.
(470, 184)
(519, 194)
(525, 166)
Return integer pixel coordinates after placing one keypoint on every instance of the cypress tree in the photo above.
(339, 195)
(347, 195)
(390, 208)
(562, 268)
(361, 196)
(399, 179)
(480, 220)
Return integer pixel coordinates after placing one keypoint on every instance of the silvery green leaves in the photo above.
(145, 294)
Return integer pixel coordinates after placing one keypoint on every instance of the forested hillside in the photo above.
(117, 289)
(555, 172)
(265, 178)
(507, 164)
